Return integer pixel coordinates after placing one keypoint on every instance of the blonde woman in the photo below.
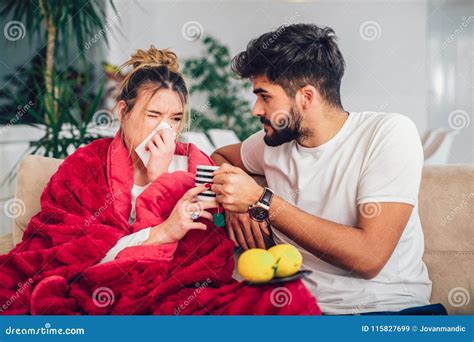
(152, 93)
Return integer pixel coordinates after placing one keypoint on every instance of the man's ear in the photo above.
(121, 109)
(309, 95)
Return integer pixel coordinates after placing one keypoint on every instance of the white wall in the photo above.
(451, 73)
(384, 74)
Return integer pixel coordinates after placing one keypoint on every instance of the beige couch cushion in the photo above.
(446, 211)
(452, 277)
(6, 243)
(447, 207)
(447, 217)
(32, 176)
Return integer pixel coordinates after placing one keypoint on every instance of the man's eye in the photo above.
(264, 98)
(152, 116)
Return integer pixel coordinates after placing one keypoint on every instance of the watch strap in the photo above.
(266, 197)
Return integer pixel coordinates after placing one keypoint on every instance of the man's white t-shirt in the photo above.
(374, 158)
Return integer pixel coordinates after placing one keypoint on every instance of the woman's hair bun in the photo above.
(153, 57)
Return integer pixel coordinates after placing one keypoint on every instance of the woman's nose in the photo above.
(174, 125)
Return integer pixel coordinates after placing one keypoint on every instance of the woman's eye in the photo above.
(152, 116)
(177, 119)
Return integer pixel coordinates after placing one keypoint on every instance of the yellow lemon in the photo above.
(288, 259)
(256, 265)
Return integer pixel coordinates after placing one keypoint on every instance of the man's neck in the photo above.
(322, 126)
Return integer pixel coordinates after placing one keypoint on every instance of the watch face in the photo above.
(258, 213)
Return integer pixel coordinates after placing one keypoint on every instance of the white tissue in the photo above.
(141, 151)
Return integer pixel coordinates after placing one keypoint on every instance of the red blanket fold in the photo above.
(84, 212)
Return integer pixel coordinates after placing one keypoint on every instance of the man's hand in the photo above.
(235, 189)
(244, 231)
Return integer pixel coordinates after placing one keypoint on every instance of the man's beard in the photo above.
(286, 127)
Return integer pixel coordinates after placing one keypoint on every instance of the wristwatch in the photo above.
(259, 211)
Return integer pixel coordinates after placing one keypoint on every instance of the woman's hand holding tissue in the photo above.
(181, 219)
(161, 148)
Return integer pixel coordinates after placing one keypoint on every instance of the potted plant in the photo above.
(225, 107)
(54, 80)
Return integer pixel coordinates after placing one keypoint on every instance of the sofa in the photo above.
(446, 205)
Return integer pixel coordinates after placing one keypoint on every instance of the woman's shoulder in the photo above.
(194, 154)
(91, 154)
(96, 148)
(86, 160)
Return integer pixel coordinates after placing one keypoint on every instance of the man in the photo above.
(342, 187)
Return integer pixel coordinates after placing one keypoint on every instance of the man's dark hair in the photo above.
(293, 56)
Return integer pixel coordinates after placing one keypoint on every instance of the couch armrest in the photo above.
(6, 243)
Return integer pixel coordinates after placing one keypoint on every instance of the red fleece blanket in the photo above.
(84, 212)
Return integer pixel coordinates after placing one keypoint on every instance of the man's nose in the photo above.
(258, 109)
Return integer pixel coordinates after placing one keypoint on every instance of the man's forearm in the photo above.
(219, 159)
(344, 246)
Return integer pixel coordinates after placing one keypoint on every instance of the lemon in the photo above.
(288, 259)
(256, 265)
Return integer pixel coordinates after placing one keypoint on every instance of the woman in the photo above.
(115, 236)
(154, 92)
